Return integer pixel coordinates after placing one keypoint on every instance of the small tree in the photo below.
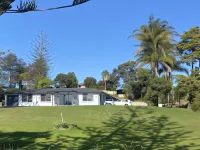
(90, 82)
(71, 81)
(43, 83)
(157, 90)
(61, 79)
(11, 68)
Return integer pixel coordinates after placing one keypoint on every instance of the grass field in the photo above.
(100, 128)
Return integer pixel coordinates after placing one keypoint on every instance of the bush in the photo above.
(61, 125)
(196, 105)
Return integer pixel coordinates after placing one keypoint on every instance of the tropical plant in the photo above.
(156, 45)
(105, 77)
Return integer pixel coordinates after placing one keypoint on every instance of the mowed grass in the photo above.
(100, 128)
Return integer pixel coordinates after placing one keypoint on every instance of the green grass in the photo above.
(100, 128)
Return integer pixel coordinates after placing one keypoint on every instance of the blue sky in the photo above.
(92, 37)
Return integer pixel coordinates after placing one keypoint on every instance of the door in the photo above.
(12, 100)
(36, 100)
(74, 98)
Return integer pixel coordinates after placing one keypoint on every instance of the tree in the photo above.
(61, 79)
(41, 59)
(12, 67)
(105, 77)
(157, 90)
(125, 71)
(43, 83)
(71, 81)
(190, 86)
(90, 82)
(156, 45)
(101, 85)
(137, 87)
(189, 47)
(30, 5)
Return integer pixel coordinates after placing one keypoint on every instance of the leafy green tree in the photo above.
(125, 71)
(61, 79)
(101, 85)
(12, 67)
(105, 76)
(156, 45)
(90, 82)
(71, 81)
(137, 87)
(189, 46)
(157, 90)
(190, 86)
(113, 82)
(43, 83)
(1, 94)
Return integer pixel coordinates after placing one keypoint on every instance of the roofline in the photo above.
(52, 91)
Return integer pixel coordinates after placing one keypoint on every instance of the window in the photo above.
(46, 97)
(42, 97)
(27, 98)
(87, 97)
(24, 98)
(84, 97)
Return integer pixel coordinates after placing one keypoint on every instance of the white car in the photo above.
(123, 102)
(109, 102)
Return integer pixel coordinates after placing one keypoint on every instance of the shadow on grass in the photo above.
(133, 129)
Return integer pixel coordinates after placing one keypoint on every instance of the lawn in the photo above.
(100, 128)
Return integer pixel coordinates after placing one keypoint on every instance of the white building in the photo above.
(55, 97)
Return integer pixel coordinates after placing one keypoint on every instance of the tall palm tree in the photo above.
(156, 45)
(105, 77)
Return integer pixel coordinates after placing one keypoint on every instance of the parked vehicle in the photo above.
(109, 102)
(124, 102)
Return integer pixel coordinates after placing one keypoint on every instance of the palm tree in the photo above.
(105, 77)
(176, 67)
(156, 45)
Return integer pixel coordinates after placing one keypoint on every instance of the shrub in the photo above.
(195, 105)
(61, 125)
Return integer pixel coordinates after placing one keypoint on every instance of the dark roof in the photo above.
(55, 90)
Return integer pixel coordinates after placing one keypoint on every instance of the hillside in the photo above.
(100, 127)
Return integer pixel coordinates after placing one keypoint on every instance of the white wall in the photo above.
(36, 101)
(96, 100)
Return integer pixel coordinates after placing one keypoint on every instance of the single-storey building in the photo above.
(55, 97)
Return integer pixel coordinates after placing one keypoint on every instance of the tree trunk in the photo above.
(156, 72)
(105, 85)
(10, 80)
(199, 64)
(168, 99)
(192, 66)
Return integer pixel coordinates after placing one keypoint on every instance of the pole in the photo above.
(61, 117)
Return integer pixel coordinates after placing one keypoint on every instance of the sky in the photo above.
(92, 37)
